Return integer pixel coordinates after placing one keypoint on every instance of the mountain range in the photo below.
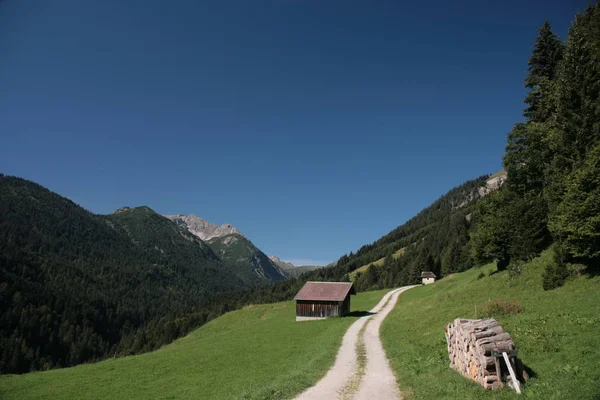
(249, 262)
(77, 287)
(99, 279)
(293, 270)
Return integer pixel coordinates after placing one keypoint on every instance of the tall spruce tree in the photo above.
(527, 144)
(578, 90)
(571, 188)
(543, 65)
(524, 206)
(526, 157)
(492, 236)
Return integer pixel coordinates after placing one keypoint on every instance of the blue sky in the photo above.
(313, 126)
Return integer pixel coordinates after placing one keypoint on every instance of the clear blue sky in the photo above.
(313, 126)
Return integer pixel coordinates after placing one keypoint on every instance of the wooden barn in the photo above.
(427, 277)
(320, 300)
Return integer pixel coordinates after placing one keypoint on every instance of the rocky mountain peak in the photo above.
(202, 228)
(282, 264)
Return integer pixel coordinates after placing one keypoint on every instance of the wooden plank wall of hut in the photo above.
(315, 308)
(346, 306)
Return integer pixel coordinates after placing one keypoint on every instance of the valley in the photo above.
(258, 352)
(135, 303)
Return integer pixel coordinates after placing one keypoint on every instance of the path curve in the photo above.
(344, 380)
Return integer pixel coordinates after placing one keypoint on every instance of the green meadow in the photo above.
(259, 352)
(557, 333)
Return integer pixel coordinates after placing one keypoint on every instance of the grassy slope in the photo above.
(259, 352)
(379, 262)
(557, 334)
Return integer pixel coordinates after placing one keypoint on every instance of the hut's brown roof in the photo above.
(327, 291)
(427, 274)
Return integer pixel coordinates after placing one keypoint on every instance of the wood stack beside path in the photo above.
(475, 348)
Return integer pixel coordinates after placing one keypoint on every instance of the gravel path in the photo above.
(353, 377)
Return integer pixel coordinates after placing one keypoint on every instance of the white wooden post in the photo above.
(513, 377)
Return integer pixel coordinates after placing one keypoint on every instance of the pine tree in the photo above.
(491, 237)
(543, 64)
(578, 90)
(576, 221)
(572, 188)
(523, 207)
(526, 157)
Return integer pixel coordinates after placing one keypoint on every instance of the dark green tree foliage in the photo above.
(527, 154)
(524, 208)
(492, 236)
(556, 273)
(576, 220)
(572, 187)
(512, 223)
(543, 65)
(455, 258)
(526, 158)
(77, 287)
(578, 90)
(552, 160)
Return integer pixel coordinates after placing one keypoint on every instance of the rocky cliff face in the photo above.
(202, 228)
(282, 264)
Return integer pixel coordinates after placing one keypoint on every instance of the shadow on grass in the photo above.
(526, 370)
(359, 314)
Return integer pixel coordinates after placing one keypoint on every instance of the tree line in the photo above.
(552, 196)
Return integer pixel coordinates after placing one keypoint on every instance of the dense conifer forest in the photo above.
(76, 287)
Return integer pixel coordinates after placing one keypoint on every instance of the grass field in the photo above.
(557, 334)
(259, 352)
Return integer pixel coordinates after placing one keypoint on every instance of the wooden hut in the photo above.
(320, 300)
(427, 277)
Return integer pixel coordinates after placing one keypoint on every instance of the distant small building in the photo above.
(320, 300)
(428, 277)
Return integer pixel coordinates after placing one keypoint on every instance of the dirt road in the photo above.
(361, 370)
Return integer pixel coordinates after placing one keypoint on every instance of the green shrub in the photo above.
(554, 275)
(481, 275)
(499, 307)
(515, 268)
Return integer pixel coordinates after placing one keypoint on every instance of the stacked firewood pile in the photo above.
(475, 348)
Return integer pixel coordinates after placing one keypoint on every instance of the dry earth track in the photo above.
(352, 377)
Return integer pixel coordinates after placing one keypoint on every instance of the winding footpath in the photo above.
(361, 370)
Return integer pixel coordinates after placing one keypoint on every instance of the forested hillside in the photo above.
(245, 259)
(436, 239)
(76, 287)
